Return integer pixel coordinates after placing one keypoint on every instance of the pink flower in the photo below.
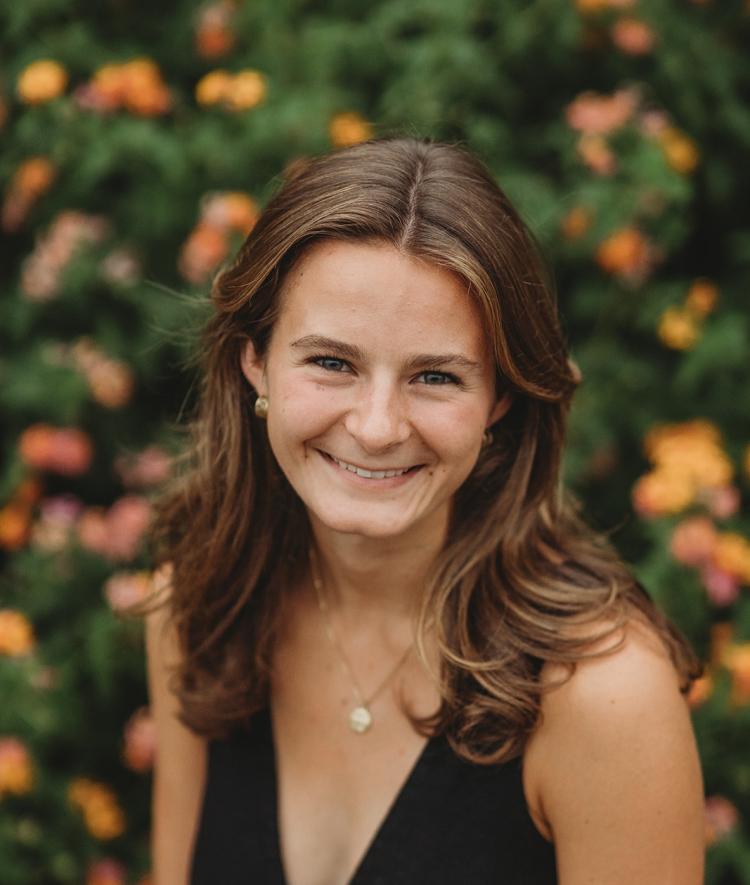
(116, 533)
(106, 872)
(722, 818)
(128, 519)
(121, 266)
(723, 501)
(721, 587)
(58, 516)
(652, 123)
(124, 589)
(597, 114)
(693, 540)
(140, 741)
(147, 468)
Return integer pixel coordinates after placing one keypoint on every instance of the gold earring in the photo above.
(261, 406)
(487, 438)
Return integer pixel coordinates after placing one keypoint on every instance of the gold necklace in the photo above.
(360, 716)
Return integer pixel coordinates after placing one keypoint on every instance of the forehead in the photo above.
(381, 296)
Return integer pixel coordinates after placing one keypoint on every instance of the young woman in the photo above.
(397, 654)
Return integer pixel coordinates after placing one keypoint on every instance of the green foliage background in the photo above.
(497, 76)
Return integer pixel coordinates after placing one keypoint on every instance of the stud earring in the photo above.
(261, 406)
(487, 438)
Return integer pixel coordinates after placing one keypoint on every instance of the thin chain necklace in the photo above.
(360, 716)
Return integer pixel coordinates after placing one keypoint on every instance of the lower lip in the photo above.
(364, 482)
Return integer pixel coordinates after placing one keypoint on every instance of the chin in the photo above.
(359, 524)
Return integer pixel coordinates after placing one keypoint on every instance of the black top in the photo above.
(452, 822)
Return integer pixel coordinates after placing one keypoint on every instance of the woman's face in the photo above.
(380, 387)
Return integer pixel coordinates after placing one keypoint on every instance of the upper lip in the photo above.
(379, 468)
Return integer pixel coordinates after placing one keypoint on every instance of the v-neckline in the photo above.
(396, 812)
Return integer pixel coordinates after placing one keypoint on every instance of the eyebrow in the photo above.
(419, 360)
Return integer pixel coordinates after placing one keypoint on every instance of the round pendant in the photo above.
(360, 719)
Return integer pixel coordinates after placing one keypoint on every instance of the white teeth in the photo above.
(369, 474)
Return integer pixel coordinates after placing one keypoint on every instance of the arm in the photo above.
(179, 768)
(618, 775)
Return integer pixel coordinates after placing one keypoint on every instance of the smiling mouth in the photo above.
(371, 474)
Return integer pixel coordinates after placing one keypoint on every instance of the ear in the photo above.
(500, 408)
(253, 367)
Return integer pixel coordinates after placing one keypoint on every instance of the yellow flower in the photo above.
(349, 128)
(213, 88)
(41, 81)
(247, 89)
(680, 151)
(16, 772)
(702, 297)
(16, 633)
(678, 328)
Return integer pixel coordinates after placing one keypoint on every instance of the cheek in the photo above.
(454, 430)
(300, 412)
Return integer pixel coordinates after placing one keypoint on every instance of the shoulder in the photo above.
(613, 763)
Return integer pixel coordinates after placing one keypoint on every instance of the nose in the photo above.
(379, 420)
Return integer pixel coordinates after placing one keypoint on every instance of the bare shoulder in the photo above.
(613, 763)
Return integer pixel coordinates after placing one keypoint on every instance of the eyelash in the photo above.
(452, 379)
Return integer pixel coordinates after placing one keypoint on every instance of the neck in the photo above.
(377, 578)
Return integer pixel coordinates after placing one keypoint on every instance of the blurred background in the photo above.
(139, 142)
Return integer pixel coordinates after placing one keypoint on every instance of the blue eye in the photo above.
(434, 379)
(330, 363)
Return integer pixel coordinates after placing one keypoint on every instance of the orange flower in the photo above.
(64, 450)
(41, 81)
(16, 771)
(678, 328)
(702, 297)
(576, 222)
(662, 492)
(721, 639)
(145, 93)
(139, 744)
(111, 383)
(15, 526)
(348, 128)
(732, 554)
(214, 36)
(746, 461)
(596, 154)
(246, 90)
(213, 87)
(230, 210)
(700, 691)
(633, 36)
(102, 814)
(16, 633)
(626, 252)
(737, 661)
(680, 151)
(205, 249)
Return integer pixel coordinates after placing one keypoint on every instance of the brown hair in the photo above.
(521, 573)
